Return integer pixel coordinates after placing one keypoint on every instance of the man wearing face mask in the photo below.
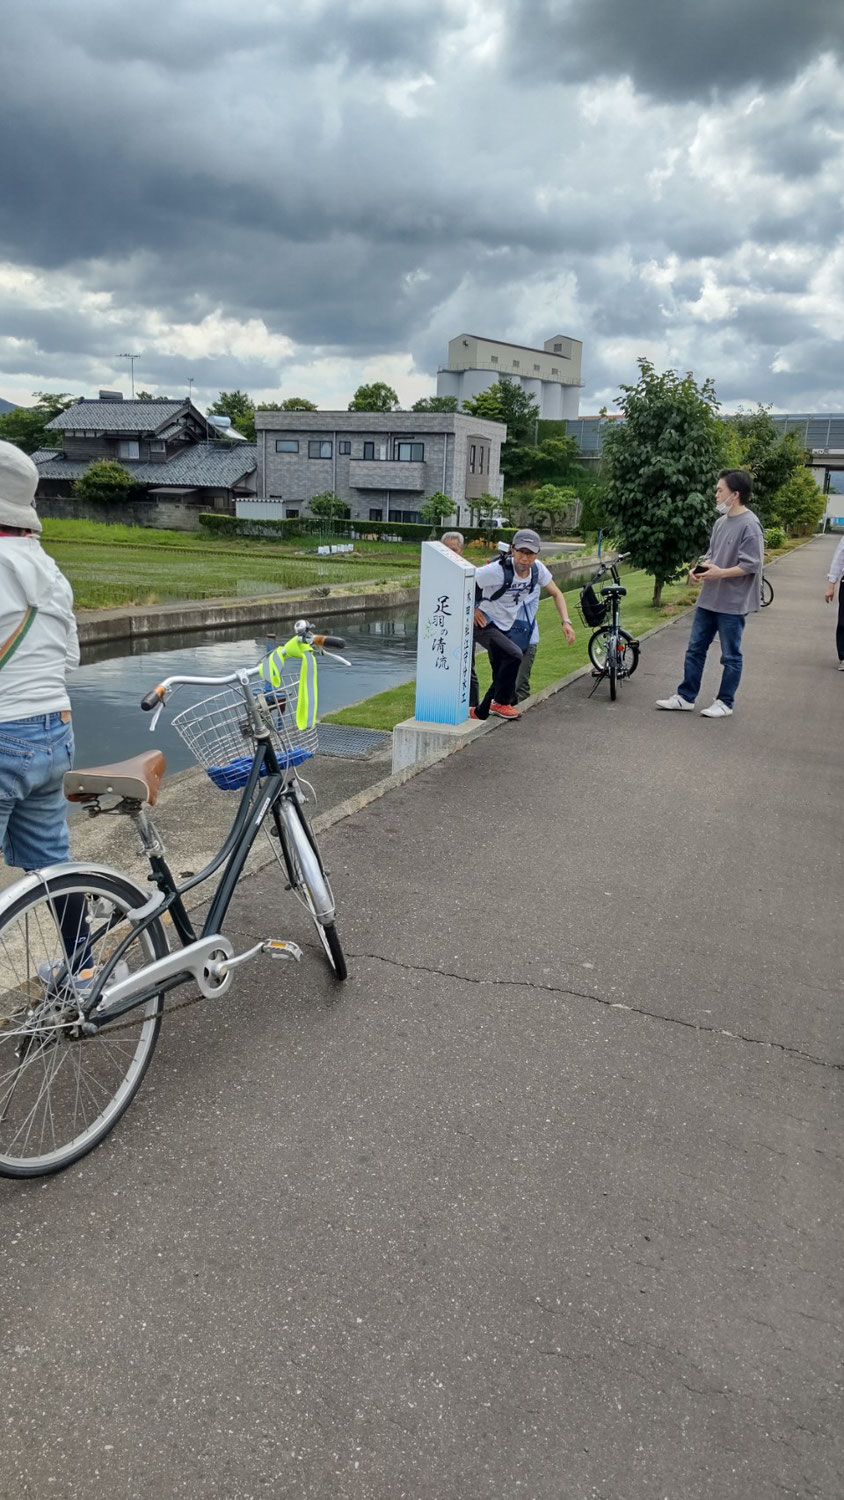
(731, 575)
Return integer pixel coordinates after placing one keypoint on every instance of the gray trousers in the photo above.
(523, 674)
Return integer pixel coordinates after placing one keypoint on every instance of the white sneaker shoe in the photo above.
(675, 702)
(716, 710)
(841, 666)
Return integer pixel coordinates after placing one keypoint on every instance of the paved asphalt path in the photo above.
(545, 1201)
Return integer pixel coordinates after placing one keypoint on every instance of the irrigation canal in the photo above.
(107, 689)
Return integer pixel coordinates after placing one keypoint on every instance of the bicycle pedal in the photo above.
(281, 949)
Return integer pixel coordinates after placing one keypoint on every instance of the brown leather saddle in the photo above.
(138, 779)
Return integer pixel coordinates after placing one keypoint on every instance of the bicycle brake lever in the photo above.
(155, 717)
(336, 657)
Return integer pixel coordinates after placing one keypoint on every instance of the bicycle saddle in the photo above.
(138, 778)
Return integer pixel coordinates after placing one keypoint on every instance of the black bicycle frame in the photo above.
(259, 795)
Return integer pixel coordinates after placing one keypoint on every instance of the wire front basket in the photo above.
(220, 736)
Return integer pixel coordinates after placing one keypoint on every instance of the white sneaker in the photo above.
(716, 710)
(675, 702)
(841, 666)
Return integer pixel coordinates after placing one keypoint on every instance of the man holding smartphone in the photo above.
(731, 578)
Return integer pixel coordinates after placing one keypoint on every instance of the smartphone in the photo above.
(700, 568)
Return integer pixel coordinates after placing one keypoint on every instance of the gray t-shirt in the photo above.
(736, 542)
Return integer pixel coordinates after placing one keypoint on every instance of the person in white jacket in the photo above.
(38, 644)
(836, 571)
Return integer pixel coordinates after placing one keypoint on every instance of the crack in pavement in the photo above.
(634, 1010)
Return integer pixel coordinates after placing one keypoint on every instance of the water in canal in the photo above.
(107, 689)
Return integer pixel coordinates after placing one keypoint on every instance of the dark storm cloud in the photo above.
(669, 49)
(365, 178)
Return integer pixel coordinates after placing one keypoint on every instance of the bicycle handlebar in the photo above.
(304, 632)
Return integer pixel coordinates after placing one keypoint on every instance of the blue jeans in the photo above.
(34, 755)
(706, 625)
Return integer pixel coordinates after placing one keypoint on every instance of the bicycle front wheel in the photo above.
(308, 879)
(767, 592)
(61, 1091)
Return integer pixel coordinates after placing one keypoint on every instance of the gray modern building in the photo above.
(550, 374)
(383, 465)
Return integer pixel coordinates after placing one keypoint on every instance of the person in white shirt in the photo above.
(38, 645)
(505, 619)
(834, 577)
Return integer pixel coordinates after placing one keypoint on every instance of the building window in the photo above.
(344, 447)
(129, 448)
(376, 513)
(287, 445)
(158, 446)
(369, 450)
(409, 453)
(558, 348)
(555, 370)
(493, 359)
(320, 448)
(404, 515)
(480, 459)
(537, 367)
(291, 514)
(472, 459)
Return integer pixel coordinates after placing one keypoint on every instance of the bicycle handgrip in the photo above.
(152, 700)
(333, 642)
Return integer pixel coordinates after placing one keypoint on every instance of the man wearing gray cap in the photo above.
(38, 644)
(505, 618)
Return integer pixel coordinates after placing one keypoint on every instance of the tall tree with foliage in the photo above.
(752, 441)
(661, 464)
(376, 397)
(241, 409)
(26, 425)
(800, 503)
(436, 509)
(290, 403)
(328, 506)
(435, 403)
(103, 483)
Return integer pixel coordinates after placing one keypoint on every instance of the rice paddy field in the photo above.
(109, 566)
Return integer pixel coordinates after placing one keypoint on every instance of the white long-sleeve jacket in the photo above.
(33, 679)
(836, 567)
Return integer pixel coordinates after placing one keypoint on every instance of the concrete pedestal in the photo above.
(414, 742)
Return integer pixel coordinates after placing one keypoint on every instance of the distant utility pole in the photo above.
(190, 387)
(131, 358)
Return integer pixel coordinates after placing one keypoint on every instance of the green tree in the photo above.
(328, 506)
(290, 403)
(145, 396)
(241, 409)
(752, 441)
(103, 482)
(435, 403)
(799, 503)
(661, 464)
(507, 402)
(375, 397)
(550, 503)
(26, 425)
(437, 508)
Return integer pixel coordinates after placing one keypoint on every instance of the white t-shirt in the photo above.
(33, 679)
(504, 611)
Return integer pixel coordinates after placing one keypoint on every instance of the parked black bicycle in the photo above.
(613, 652)
(85, 956)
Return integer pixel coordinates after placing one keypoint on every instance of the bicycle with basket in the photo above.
(85, 950)
(613, 652)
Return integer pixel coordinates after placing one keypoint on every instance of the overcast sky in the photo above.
(295, 198)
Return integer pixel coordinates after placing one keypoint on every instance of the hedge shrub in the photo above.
(279, 529)
(774, 538)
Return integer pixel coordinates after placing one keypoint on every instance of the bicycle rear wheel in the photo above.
(767, 592)
(60, 1090)
(627, 654)
(308, 879)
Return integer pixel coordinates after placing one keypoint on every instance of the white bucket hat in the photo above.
(18, 483)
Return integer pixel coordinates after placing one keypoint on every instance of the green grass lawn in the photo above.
(554, 659)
